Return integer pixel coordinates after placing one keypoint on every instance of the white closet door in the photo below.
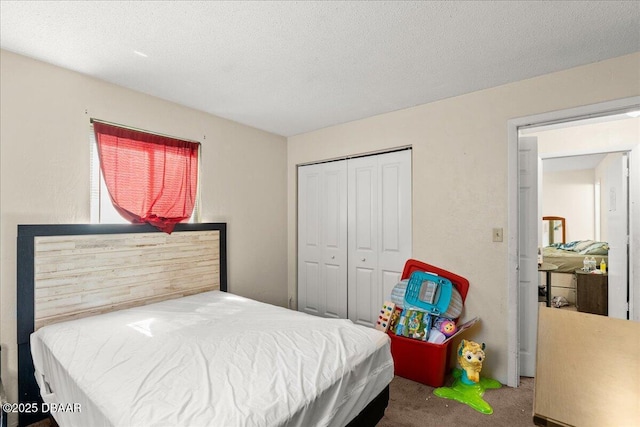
(395, 244)
(334, 239)
(379, 227)
(322, 239)
(364, 286)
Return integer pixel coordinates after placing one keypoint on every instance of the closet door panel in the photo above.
(362, 296)
(388, 278)
(363, 240)
(309, 298)
(322, 239)
(334, 232)
(395, 219)
(334, 214)
(333, 203)
(333, 292)
(309, 247)
(389, 195)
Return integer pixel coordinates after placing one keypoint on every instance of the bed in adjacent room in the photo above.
(178, 349)
(567, 257)
(570, 257)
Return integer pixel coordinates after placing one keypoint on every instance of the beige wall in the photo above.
(460, 166)
(570, 194)
(44, 164)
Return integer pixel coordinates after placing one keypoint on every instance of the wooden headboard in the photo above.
(72, 271)
(556, 229)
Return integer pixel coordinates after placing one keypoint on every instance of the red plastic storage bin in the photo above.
(422, 361)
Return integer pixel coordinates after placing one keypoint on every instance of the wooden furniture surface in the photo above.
(78, 276)
(587, 370)
(592, 293)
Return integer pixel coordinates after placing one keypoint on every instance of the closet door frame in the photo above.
(366, 264)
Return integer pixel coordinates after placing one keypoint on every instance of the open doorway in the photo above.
(594, 226)
(525, 228)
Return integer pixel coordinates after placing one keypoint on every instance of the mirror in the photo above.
(553, 230)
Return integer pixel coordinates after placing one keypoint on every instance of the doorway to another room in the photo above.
(578, 222)
(581, 165)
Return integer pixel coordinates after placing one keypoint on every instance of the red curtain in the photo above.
(150, 178)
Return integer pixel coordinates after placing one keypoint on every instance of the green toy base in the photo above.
(469, 394)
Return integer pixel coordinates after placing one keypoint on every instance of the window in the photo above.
(152, 178)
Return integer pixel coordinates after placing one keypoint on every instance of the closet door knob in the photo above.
(333, 257)
(364, 259)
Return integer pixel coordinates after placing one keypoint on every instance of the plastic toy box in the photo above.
(422, 361)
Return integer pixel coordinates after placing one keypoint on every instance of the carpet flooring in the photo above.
(414, 404)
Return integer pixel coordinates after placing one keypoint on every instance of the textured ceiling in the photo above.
(293, 67)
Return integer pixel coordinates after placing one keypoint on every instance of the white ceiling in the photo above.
(293, 67)
(563, 164)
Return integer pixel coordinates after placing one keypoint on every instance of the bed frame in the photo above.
(72, 271)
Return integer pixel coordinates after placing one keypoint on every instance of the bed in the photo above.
(123, 325)
(569, 257)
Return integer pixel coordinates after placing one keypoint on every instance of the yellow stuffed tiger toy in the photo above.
(470, 357)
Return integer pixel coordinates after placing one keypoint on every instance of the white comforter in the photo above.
(212, 359)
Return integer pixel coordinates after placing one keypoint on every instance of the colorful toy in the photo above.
(446, 326)
(428, 292)
(423, 290)
(384, 318)
(414, 327)
(436, 337)
(401, 323)
(427, 321)
(468, 387)
(398, 291)
(470, 356)
(395, 316)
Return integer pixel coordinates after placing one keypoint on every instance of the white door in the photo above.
(528, 233)
(395, 241)
(363, 286)
(322, 239)
(634, 234)
(616, 200)
(379, 228)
